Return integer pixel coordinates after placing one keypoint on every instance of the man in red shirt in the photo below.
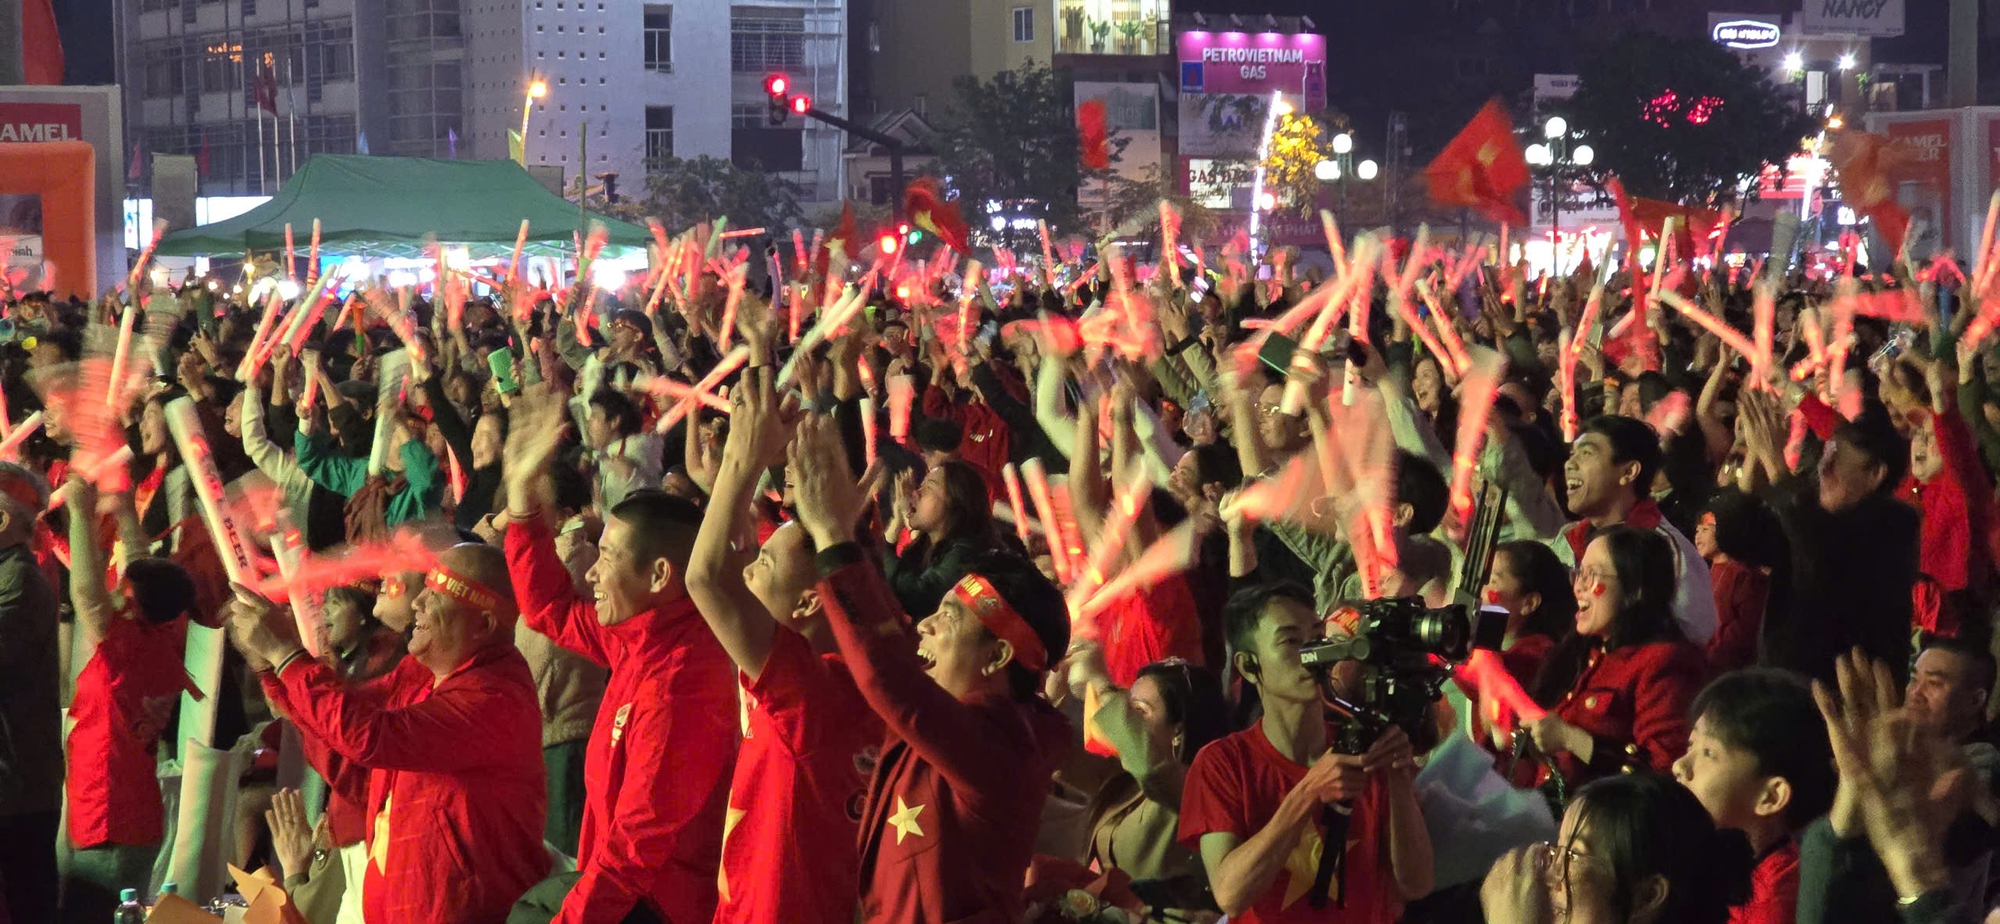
(124, 696)
(1256, 803)
(452, 740)
(956, 800)
(788, 854)
(1760, 763)
(656, 773)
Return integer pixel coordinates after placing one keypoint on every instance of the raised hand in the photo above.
(535, 428)
(828, 500)
(762, 420)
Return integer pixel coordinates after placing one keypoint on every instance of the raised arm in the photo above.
(548, 600)
(87, 594)
(760, 427)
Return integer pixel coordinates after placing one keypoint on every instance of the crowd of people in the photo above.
(900, 594)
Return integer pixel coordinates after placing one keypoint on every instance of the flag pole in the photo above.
(292, 114)
(257, 110)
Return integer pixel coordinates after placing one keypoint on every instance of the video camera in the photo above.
(1407, 650)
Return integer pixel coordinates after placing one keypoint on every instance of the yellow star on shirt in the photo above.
(1302, 865)
(905, 820)
(729, 821)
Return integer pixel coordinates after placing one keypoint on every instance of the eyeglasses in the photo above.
(1556, 860)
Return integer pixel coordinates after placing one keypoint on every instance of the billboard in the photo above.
(1132, 117)
(1223, 124)
(1255, 63)
(28, 122)
(1862, 18)
(1922, 173)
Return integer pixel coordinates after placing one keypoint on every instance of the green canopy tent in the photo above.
(386, 207)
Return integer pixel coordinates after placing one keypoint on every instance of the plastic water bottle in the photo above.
(129, 910)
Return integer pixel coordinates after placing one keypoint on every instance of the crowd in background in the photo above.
(936, 597)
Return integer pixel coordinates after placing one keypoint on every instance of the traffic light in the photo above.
(908, 234)
(778, 89)
(802, 104)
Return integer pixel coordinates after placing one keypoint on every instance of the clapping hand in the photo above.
(828, 499)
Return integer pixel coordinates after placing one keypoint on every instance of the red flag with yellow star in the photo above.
(842, 241)
(927, 208)
(1864, 162)
(1482, 168)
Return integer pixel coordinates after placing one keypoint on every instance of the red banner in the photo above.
(22, 122)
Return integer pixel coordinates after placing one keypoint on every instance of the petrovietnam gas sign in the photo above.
(29, 122)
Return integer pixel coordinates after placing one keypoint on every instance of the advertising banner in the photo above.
(1922, 172)
(1865, 18)
(1260, 62)
(26, 122)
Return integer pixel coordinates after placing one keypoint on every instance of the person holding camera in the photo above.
(1618, 687)
(1262, 805)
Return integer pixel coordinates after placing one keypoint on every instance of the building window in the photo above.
(1024, 24)
(659, 39)
(659, 133)
(766, 40)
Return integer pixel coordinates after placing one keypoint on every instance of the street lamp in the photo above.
(1554, 156)
(537, 88)
(1342, 166)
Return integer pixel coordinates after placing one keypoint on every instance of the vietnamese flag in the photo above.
(1864, 162)
(1092, 137)
(1482, 168)
(925, 204)
(842, 241)
(41, 45)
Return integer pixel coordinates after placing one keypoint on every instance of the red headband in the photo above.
(1000, 618)
(462, 589)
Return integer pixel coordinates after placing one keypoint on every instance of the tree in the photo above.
(1681, 119)
(1298, 143)
(1011, 138)
(682, 192)
(1136, 202)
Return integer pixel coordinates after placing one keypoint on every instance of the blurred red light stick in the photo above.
(288, 546)
(1170, 226)
(291, 259)
(1728, 335)
(868, 430)
(736, 358)
(1045, 509)
(119, 457)
(312, 256)
(10, 448)
(1012, 476)
(1118, 523)
(1485, 673)
(1475, 403)
(1172, 554)
(124, 349)
(902, 394)
(145, 257)
(248, 366)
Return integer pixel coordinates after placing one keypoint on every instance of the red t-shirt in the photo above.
(1774, 888)
(124, 699)
(1235, 786)
(788, 843)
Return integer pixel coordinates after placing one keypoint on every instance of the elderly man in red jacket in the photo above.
(656, 772)
(956, 801)
(452, 740)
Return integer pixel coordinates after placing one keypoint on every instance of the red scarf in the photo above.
(1643, 515)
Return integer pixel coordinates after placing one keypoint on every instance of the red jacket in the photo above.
(957, 797)
(457, 794)
(987, 439)
(1634, 700)
(1741, 596)
(656, 772)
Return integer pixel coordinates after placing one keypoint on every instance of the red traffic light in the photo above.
(776, 85)
(801, 103)
(888, 244)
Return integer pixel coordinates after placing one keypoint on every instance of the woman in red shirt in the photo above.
(1533, 585)
(1747, 568)
(125, 696)
(1619, 686)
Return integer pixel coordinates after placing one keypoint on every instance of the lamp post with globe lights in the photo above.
(1556, 155)
(1343, 166)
